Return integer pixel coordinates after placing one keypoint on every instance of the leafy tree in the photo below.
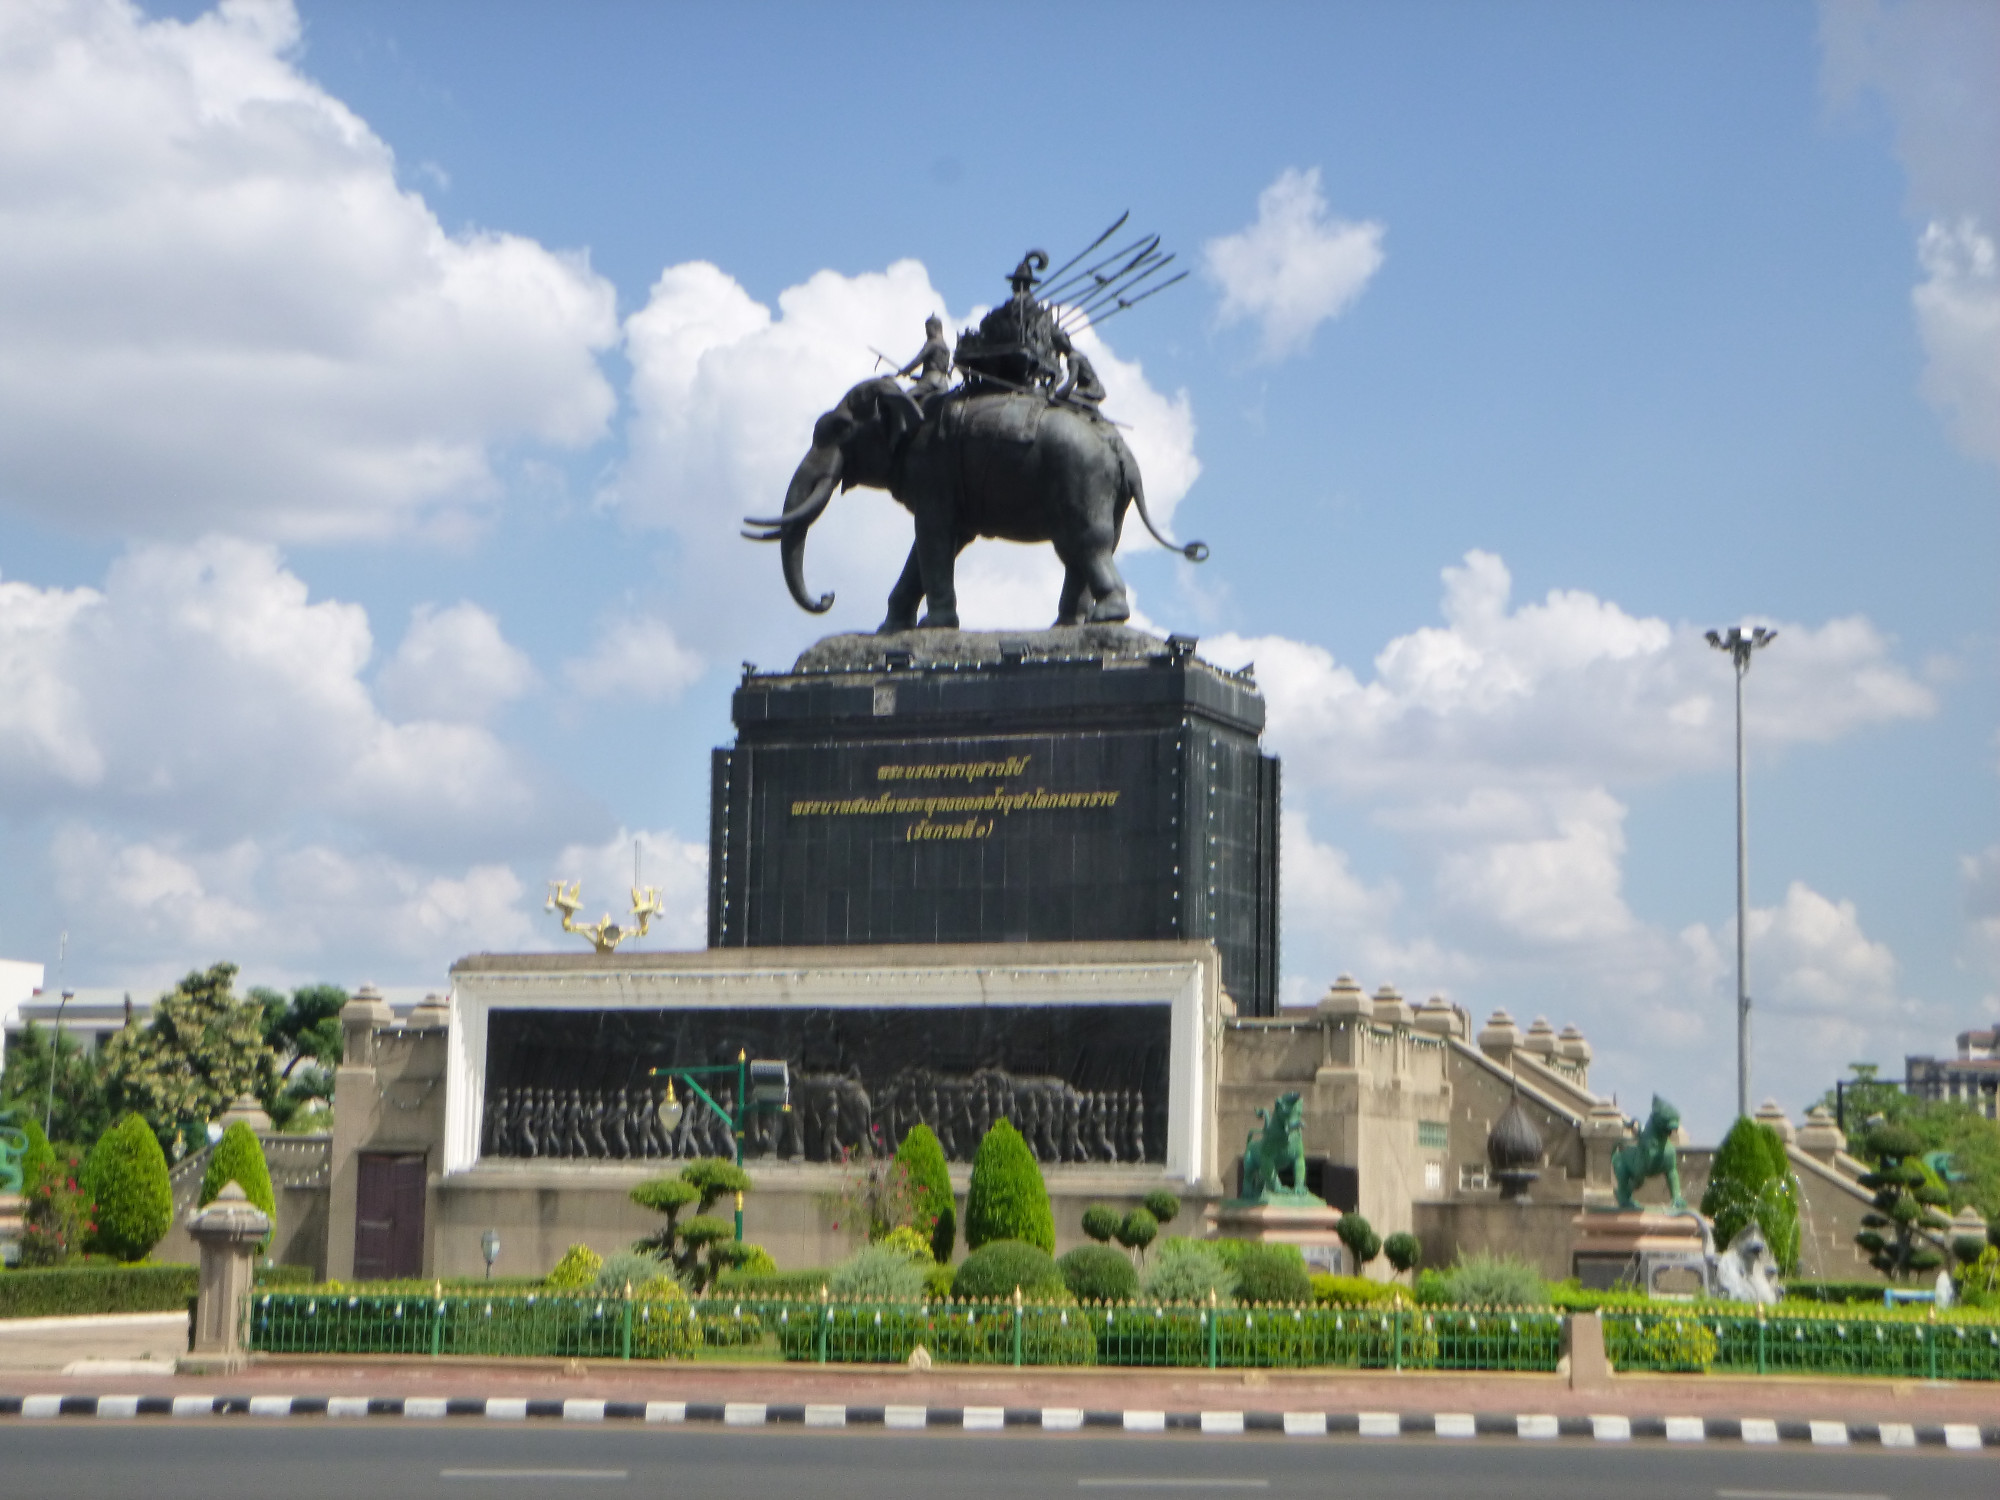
(304, 1034)
(1359, 1236)
(1940, 1125)
(81, 1107)
(126, 1177)
(1007, 1199)
(239, 1158)
(1403, 1250)
(1162, 1205)
(202, 1050)
(1752, 1179)
(1907, 1195)
(929, 1178)
(38, 1160)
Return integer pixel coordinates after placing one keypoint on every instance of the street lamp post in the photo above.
(1740, 643)
(759, 1085)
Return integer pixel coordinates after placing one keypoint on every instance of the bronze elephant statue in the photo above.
(1021, 467)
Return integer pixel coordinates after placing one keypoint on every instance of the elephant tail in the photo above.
(1129, 466)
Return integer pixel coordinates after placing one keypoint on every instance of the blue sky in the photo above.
(380, 386)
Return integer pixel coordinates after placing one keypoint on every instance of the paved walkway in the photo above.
(123, 1338)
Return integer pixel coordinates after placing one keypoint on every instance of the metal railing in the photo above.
(1833, 1341)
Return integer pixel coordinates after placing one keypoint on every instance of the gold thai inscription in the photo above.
(971, 814)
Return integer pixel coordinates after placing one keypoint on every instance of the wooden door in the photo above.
(389, 1217)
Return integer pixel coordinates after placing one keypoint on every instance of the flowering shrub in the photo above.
(58, 1217)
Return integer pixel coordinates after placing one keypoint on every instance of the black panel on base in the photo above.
(947, 787)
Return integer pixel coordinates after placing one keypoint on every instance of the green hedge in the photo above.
(772, 1283)
(1835, 1291)
(83, 1291)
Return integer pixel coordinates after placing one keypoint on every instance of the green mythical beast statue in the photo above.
(1274, 1156)
(1651, 1155)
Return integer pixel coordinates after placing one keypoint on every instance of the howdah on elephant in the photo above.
(1020, 467)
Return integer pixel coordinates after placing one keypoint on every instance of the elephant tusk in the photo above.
(765, 521)
(777, 535)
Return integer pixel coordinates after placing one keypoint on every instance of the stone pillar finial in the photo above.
(1344, 998)
(1499, 1037)
(1820, 1137)
(1389, 1007)
(229, 1232)
(1769, 1114)
(1540, 1040)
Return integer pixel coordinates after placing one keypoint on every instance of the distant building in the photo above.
(1972, 1077)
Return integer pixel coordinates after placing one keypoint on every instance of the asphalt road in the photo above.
(255, 1460)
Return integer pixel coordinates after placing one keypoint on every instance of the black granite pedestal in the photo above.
(1082, 784)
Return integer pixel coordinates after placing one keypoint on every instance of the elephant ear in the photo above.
(900, 415)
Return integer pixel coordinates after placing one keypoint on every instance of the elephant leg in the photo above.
(937, 552)
(905, 596)
(1075, 603)
(1113, 603)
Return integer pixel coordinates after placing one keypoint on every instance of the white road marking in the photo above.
(1795, 1495)
(1222, 1421)
(612, 1474)
(1145, 1421)
(1611, 1429)
(1455, 1424)
(1960, 1435)
(1536, 1427)
(826, 1415)
(1137, 1483)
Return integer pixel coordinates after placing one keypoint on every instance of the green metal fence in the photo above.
(825, 1331)
(1830, 1341)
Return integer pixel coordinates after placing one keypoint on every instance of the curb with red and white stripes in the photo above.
(1314, 1424)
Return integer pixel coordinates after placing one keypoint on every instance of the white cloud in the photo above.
(1934, 67)
(725, 394)
(202, 691)
(217, 308)
(1295, 267)
(1981, 874)
(453, 664)
(1568, 691)
(636, 657)
(1958, 314)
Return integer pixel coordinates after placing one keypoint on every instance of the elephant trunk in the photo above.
(811, 488)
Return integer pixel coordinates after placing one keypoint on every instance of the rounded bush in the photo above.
(1188, 1271)
(1272, 1273)
(1162, 1205)
(1139, 1230)
(1404, 1250)
(909, 1242)
(665, 1195)
(663, 1320)
(576, 1271)
(1100, 1222)
(239, 1158)
(878, 1273)
(1007, 1199)
(1494, 1281)
(126, 1177)
(993, 1271)
(628, 1268)
(1097, 1273)
(1359, 1236)
(923, 1163)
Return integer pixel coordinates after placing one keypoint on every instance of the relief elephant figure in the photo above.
(1019, 467)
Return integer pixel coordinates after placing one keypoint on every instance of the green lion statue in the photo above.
(1651, 1155)
(1274, 1156)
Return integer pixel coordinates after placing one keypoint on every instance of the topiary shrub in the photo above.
(239, 1158)
(1188, 1271)
(1162, 1205)
(1007, 1199)
(743, 1255)
(907, 1241)
(1097, 1273)
(126, 1178)
(38, 1159)
(699, 1183)
(993, 1271)
(1271, 1273)
(1138, 1230)
(879, 1273)
(1752, 1179)
(576, 1271)
(1101, 1221)
(1403, 1250)
(1907, 1198)
(627, 1268)
(1359, 1236)
(1359, 1291)
(929, 1178)
(1485, 1280)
